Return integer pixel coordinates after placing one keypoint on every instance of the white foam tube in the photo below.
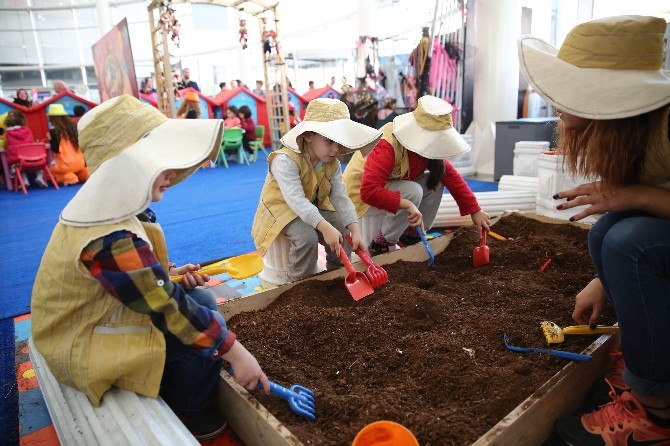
(493, 203)
(517, 182)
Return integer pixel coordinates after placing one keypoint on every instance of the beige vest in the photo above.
(88, 338)
(353, 173)
(273, 214)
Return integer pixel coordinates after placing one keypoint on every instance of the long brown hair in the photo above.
(612, 150)
(65, 129)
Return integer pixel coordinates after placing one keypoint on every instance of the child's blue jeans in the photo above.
(631, 254)
(189, 380)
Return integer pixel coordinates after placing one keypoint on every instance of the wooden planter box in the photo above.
(531, 422)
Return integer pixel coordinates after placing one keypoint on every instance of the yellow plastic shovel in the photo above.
(554, 333)
(240, 267)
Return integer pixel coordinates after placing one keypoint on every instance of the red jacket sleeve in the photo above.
(378, 167)
(459, 189)
(249, 129)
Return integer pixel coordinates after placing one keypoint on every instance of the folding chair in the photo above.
(232, 141)
(32, 156)
(258, 143)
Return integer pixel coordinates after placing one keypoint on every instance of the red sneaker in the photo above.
(621, 422)
(613, 379)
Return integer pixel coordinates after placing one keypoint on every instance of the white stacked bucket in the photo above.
(553, 178)
(463, 162)
(275, 264)
(525, 157)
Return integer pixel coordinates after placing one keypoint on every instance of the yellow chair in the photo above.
(258, 144)
(232, 142)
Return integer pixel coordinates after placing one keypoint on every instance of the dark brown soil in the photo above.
(425, 349)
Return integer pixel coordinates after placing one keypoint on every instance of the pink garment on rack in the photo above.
(442, 70)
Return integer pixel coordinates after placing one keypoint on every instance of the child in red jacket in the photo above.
(248, 126)
(17, 133)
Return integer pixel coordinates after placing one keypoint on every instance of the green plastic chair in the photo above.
(258, 144)
(232, 142)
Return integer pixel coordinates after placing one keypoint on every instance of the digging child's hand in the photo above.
(482, 220)
(590, 303)
(247, 371)
(191, 278)
(331, 236)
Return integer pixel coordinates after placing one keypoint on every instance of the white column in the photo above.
(102, 8)
(497, 25)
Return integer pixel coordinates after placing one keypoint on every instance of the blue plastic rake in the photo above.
(300, 399)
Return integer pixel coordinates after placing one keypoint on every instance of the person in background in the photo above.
(16, 134)
(234, 84)
(621, 142)
(232, 120)
(405, 175)
(104, 275)
(148, 88)
(294, 119)
(332, 81)
(78, 111)
(387, 113)
(186, 80)
(248, 127)
(22, 98)
(60, 87)
(311, 85)
(303, 197)
(259, 90)
(222, 86)
(69, 166)
(190, 106)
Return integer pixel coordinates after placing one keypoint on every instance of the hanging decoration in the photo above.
(270, 42)
(169, 22)
(243, 33)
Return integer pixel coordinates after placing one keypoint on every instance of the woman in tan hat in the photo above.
(69, 166)
(304, 197)
(104, 311)
(612, 96)
(404, 177)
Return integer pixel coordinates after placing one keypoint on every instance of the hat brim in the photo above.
(347, 133)
(121, 187)
(592, 93)
(431, 144)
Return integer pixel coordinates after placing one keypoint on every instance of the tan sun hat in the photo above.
(127, 145)
(330, 118)
(609, 68)
(429, 131)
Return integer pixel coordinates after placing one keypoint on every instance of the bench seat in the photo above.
(124, 418)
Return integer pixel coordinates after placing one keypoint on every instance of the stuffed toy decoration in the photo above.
(269, 41)
(170, 22)
(243, 33)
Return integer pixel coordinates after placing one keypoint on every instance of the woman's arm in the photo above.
(653, 200)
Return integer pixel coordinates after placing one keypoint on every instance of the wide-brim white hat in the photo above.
(429, 131)
(330, 118)
(606, 69)
(127, 145)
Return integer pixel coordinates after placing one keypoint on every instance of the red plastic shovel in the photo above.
(480, 256)
(357, 284)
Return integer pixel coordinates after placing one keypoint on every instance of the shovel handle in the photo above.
(362, 254)
(346, 262)
(482, 242)
(565, 355)
(585, 329)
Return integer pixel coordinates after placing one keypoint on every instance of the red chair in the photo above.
(32, 156)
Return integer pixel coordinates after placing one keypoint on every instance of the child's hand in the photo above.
(481, 219)
(356, 239)
(414, 218)
(191, 278)
(331, 236)
(247, 371)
